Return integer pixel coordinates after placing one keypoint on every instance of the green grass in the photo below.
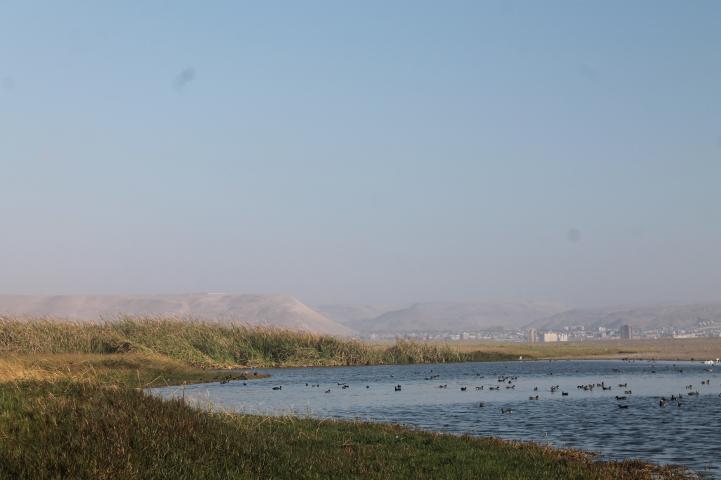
(84, 430)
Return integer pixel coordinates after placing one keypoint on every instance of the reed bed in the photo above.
(211, 345)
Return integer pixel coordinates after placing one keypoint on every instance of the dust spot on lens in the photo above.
(184, 78)
(573, 235)
(7, 83)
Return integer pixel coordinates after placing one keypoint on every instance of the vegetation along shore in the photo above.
(72, 406)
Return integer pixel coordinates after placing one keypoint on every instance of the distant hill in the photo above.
(268, 310)
(466, 316)
(641, 317)
(349, 314)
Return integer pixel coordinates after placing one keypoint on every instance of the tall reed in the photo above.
(210, 344)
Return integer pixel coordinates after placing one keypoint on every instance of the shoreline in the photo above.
(83, 384)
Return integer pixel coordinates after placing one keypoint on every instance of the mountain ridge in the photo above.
(646, 317)
(455, 316)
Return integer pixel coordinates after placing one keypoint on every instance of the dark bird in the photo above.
(278, 388)
(398, 388)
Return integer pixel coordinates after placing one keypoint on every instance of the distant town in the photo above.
(565, 334)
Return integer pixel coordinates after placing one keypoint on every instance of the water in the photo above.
(689, 435)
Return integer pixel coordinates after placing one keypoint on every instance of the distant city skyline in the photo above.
(369, 153)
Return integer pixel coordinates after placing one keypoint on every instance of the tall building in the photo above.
(626, 332)
(532, 335)
(552, 337)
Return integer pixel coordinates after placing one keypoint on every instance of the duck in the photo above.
(278, 388)
(397, 388)
(506, 411)
(533, 398)
(463, 389)
(621, 397)
(623, 406)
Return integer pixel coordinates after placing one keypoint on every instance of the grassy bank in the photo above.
(660, 349)
(84, 430)
(129, 369)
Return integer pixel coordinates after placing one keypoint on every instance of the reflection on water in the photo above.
(689, 434)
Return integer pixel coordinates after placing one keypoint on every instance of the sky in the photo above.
(363, 152)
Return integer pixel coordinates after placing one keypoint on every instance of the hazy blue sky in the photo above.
(374, 151)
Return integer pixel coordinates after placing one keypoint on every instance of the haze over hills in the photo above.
(285, 311)
(352, 314)
(649, 317)
(268, 310)
(459, 316)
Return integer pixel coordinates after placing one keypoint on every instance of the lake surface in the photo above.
(591, 420)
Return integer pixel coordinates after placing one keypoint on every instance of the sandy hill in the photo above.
(641, 317)
(463, 316)
(268, 310)
(349, 314)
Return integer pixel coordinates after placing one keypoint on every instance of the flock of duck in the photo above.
(509, 383)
